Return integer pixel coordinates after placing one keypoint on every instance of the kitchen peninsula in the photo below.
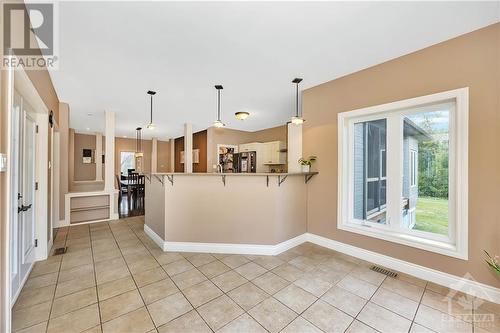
(226, 213)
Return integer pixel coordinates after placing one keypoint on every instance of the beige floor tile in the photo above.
(168, 308)
(242, 324)
(213, 269)
(38, 328)
(411, 279)
(111, 273)
(229, 280)
(73, 286)
(143, 264)
(288, 255)
(41, 281)
(268, 262)
(190, 322)
(314, 282)
(167, 257)
(487, 316)
(219, 312)
(377, 317)
(327, 318)
(270, 282)
(344, 300)
(201, 259)
(119, 305)
(300, 325)
(114, 288)
(149, 276)
(416, 328)
(303, 263)
(79, 272)
(366, 274)
(439, 321)
(158, 290)
(404, 288)
(34, 296)
(248, 295)
(359, 327)
(453, 307)
(272, 315)
(45, 267)
(235, 260)
(77, 321)
(250, 270)
(295, 298)
(73, 302)
(288, 272)
(137, 321)
(76, 259)
(177, 267)
(106, 255)
(357, 286)
(30, 316)
(202, 293)
(396, 303)
(188, 278)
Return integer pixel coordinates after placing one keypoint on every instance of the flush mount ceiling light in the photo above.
(241, 115)
(151, 125)
(218, 123)
(297, 119)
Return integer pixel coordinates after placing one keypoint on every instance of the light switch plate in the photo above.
(3, 162)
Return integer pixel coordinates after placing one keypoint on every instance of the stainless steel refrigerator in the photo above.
(245, 162)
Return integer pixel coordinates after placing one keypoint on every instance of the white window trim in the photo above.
(456, 245)
(413, 168)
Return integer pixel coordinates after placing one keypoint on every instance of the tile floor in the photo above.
(115, 279)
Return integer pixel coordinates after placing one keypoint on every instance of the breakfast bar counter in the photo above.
(197, 211)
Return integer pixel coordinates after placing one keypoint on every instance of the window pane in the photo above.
(370, 170)
(127, 161)
(425, 174)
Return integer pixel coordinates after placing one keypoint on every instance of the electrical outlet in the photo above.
(3, 162)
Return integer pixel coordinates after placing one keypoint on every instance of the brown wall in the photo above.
(199, 142)
(83, 171)
(123, 144)
(163, 153)
(471, 60)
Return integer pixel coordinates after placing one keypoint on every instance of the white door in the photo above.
(23, 231)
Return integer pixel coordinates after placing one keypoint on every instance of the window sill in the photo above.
(444, 248)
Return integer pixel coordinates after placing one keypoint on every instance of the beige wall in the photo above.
(63, 156)
(83, 171)
(123, 144)
(163, 152)
(245, 211)
(473, 61)
(216, 136)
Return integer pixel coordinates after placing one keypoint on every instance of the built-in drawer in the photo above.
(89, 215)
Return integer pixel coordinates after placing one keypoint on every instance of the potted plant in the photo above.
(492, 262)
(306, 163)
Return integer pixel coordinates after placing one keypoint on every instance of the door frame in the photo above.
(19, 80)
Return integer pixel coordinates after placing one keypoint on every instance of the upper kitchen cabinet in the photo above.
(274, 153)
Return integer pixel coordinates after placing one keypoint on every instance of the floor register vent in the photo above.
(384, 271)
(60, 250)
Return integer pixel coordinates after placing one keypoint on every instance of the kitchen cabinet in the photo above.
(274, 153)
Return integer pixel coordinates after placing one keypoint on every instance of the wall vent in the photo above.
(384, 271)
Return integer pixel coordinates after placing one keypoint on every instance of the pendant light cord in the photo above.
(218, 104)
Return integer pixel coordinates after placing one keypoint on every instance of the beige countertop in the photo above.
(234, 174)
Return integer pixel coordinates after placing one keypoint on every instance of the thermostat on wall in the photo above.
(3, 162)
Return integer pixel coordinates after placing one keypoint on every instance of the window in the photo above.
(403, 172)
(127, 161)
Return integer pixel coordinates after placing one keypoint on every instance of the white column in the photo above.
(172, 154)
(188, 148)
(109, 171)
(98, 156)
(294, 147)
(154, 154)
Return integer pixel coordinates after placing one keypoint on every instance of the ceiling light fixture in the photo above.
(138, 142)
(151, 125)
(297, 119)
(218, 123)
(242, 115)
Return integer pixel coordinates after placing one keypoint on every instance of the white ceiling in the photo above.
(111, 53)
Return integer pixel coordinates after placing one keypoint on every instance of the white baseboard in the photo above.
(21, 286)
(464, 284)
(255, 249)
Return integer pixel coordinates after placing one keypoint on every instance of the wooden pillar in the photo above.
(294, 147)
(188, 148)
(98, 156)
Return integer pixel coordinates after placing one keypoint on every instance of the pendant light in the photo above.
(151, 125)
(138, 142)
(218, 123)
(297, 119)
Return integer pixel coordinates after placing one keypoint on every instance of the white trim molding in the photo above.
(455, 243)
(465, 284)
